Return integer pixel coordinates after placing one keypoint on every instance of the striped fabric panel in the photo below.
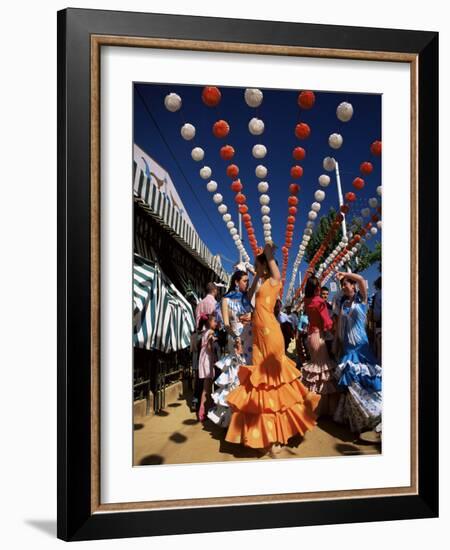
(163, 318)
(162, 208)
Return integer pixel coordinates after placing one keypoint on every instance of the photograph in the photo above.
(257, 273)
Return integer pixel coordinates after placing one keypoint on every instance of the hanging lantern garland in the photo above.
(211, 97)
(305, 100)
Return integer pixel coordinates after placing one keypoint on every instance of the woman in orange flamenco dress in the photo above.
(271, 404)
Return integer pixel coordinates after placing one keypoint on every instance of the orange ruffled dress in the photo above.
(271, 404)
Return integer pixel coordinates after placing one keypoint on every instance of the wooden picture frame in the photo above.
(81, 35)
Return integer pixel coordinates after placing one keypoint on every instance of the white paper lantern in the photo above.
(256, 126)
(235, 237)
(308, 231)
(302, 247)
(354, 250)
(187, 131)
(344, 240)
(265, 219)
(267, 226)
(267, 232)
(379, 224)
(335, 141)
(205, 172)
(310, 224)
(344, 111)
(259, 151)
(267, 239)
(172, 102)
(315, 206)
(365, 212)
(329, 164)
(265, 209)
(264, 199)
(253, 97)
(233, 231)
(226, 217)
(307, 238)
(211, 186)
(373, 202)
(261, 171)
(217, 198)
(263, 186)
(230, 224)
(373, 230)
(319, 195)
(379, 190)
(324, 180)
(223, 208)
(197, 154)
(312, 215)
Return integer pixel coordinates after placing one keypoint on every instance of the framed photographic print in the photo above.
(247, 239)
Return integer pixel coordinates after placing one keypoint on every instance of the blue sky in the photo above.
(280, 113)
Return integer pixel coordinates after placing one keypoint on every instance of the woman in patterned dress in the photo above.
(357, 372)
(236, 316)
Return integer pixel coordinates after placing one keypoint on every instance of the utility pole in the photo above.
(341, 202)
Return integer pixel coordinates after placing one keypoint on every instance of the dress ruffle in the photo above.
(354, 367)
(319, 378)
(270, 405)
(227, 381)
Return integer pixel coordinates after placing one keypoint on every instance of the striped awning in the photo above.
(160, 207)
(163, 318)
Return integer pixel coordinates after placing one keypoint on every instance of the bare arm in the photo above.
(274, 271)
(357, 279)
(251, 291)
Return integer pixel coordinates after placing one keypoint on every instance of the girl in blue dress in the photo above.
(357, 372)
(236, 316)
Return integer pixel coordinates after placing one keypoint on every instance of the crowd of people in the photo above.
(243, 352)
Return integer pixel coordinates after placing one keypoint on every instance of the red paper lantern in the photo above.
(292, 210)
(289, 234)
(350, 196)
(306, 99)
(246, 217)
(227, 152)
(211, 96)
(358, 183)
(339, 219)
(296, 172)
(363, 231)
(284, 249)
(299, 153)
(379, 209)
(243, 208)
(240, 198)
(375, 148)
(250, 231)
(236, 186)
(368, 225)
(292, 201)
(357, 238)
(344, 208)
(294, 188)
(221, 129)
(232, 171)
(290, 227)
(302, 130)
(375, 218)
(366, 168)
(291, 219)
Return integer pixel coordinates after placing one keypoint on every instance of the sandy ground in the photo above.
(175, 436)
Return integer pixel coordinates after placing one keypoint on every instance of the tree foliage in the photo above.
(365, 258)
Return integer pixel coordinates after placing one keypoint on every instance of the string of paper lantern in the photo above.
(358, 183)
(211, 97)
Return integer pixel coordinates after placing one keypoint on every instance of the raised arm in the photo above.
(251, 291)
(274, 271)
(358, 280)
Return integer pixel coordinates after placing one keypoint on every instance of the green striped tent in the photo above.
(157, 204)
(163, 318)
